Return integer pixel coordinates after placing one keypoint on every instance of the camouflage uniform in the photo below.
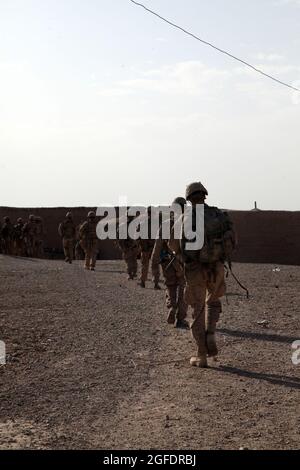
(79, 252)
(146, 248)
(130, 251)
(89, 241)
(205, 286)
(174, 277)
(67, 231)
(18, 237)
(7, 233)
(39, 237)
(29, 232)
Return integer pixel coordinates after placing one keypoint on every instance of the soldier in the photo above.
(204, 273)
(39, 239)
(174, 276)
(67, 231)
(79, 253)
(130, 252)
(7, 232)
(18, 237)
(89, 240)
(29, 232)
(146, 248)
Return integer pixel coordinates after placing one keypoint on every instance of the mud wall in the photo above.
(263, 236)
(267, 236)
(52, 218)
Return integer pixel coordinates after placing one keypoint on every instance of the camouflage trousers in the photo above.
(30, 246)
(91, 251)
(19, 247)
(175, 287)
(79, 252)
(39, 248)
(130, 258)
(145, 261)
(204, 289)
(68, 245)
(7, 246)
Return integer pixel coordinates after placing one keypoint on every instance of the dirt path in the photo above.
(92, 363)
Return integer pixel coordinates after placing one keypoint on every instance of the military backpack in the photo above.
(219, 238)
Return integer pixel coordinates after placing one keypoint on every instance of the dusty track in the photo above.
(92, 363)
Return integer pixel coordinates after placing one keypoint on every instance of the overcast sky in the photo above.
(99, 99)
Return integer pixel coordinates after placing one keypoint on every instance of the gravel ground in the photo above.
(91, 363)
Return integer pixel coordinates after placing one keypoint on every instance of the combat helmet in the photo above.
(91, 215)
(20, 220)
(69, 215)
(31, 218)
(6, 219)
(179, 200)
(195, 188)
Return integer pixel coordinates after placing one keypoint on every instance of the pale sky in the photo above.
(99, 99)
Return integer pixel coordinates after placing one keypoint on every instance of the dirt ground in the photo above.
(91, 363)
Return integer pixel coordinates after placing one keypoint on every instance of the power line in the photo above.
(215, 47)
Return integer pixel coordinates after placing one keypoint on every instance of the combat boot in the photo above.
(142, 284)
(199, 361)
(183, 324)
(157, 286)
(211, 344)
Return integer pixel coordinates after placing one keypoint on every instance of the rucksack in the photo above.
(219, 238)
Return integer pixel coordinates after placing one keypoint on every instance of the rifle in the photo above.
(228, 269)
(172, 261)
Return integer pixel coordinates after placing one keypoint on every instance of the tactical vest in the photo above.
(67, 229)
(18, 231)
(30, 228)
(88, 230)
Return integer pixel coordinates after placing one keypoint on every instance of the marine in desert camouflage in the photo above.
(67, 231)
(204, 273)
(89, 241)
(39, 237)
(19, 245)
(173, 274)
(7, 232)
(30, 236)
(130, 251)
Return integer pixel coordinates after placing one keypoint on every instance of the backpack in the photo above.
(219, 238)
